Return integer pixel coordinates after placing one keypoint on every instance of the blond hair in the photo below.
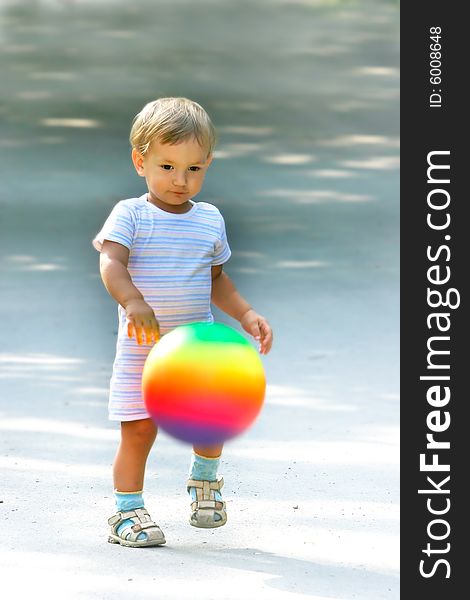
(170, 121)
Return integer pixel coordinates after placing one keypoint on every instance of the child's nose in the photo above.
(180, 178)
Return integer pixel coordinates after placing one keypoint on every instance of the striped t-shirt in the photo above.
(170, 260)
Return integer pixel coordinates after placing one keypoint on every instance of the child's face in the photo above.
(174, 173)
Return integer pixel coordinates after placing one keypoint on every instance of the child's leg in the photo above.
(209, 451)
(204, 464)
(137, 438)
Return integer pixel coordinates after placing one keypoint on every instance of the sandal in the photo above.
(206, 507)
(142, 523)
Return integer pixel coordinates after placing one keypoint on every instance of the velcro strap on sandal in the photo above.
(140, 513)
(206, 504)
(114, 519)
(213, 485)
(137, 512)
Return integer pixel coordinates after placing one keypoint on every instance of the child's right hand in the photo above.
(141, 321)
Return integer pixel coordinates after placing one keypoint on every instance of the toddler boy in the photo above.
(162, 258)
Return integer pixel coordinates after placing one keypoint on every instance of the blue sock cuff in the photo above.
(128, 500)
(202, 468)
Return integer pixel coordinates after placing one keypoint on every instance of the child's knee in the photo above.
(143, 431)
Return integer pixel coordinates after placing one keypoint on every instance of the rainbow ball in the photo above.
(203, 383)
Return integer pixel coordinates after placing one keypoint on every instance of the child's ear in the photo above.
(209, 159)
(138, 161)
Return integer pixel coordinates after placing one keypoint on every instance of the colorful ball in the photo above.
(203, 383)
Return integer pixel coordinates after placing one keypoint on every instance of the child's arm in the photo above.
(141, 319)
(226, 297)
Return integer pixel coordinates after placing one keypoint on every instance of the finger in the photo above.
(130, 329)
(133, 330)
(266, 338)
(266, 345)
(263, 330)
(148, 332)
(138, 333)
(156, 331)
(255, 331)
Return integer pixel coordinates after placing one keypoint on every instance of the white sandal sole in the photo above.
(205, 522)
(114, 539)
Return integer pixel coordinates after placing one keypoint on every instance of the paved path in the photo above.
(305, 96)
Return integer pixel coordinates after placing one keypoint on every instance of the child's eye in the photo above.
(170, 167)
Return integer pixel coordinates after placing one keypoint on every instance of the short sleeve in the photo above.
(118, 227)
(222, 250)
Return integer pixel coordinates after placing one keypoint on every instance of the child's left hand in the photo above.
(259, 328)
